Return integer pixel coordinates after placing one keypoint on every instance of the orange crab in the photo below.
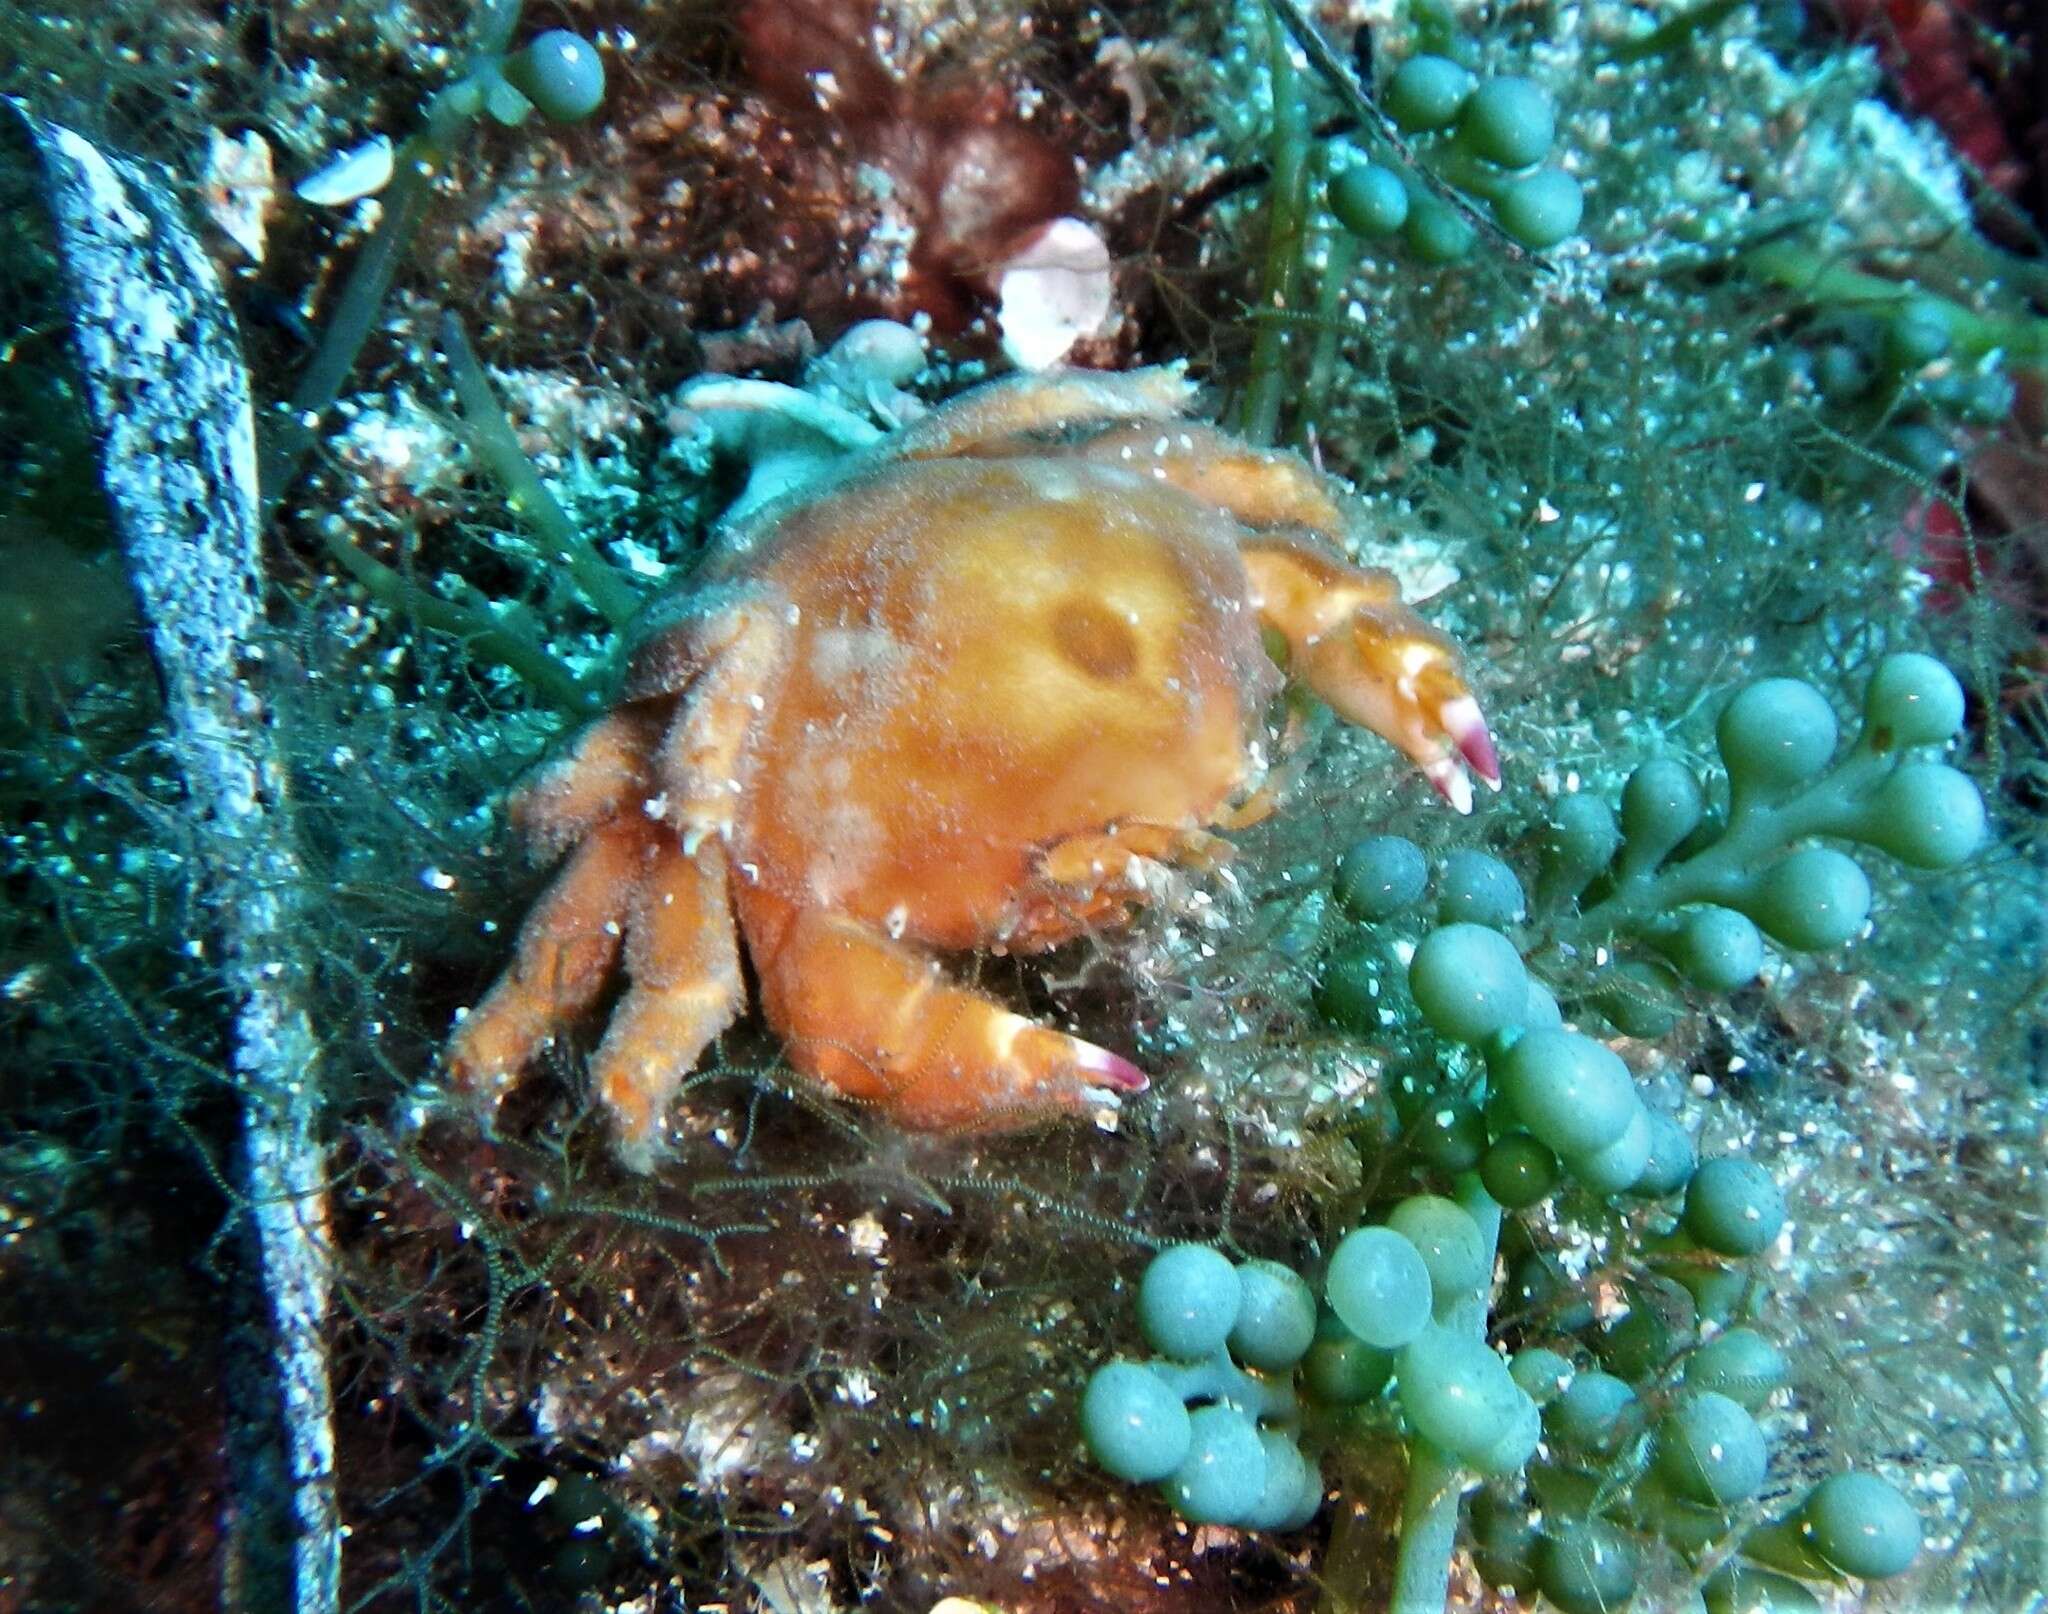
(967, 695)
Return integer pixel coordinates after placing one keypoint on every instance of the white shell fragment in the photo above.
(1053, 293)
(238, 189)
(350, 177)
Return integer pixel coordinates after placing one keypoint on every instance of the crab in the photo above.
(972, 694)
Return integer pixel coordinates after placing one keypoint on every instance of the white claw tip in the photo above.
(1452, 783)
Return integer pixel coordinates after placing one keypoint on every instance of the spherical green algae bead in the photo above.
(1918, 334)
(1722, 1294)
(1710, 1450)
(1636, 999)
(1457, 1393)
(1672, 1159)
(1134, 1424)
(1912, 700)
(1740, 1364)
(1583, 837)
(1923, 449)
(1468, 981)
(1927, 815)
(1414, 1089)
(1348, 993)
(1517, 1171)
(1436, 232)
(1379, 1287)
(1718, 949)
(1538, 1289)
(1449, 1242)
(1510, 121)
(1587, 1567)
(1988, 397)
(1861, 1525)
(583, 1565)
(1369, 200)
(1187, 1302)
(1596, 1413)
(1506, 1536)
(1341, 1370)
(1733, 1207)
(1740, 1588)
(1478, 889)
(1843, 372)
(1573, 1093)
(1659, 1322)
(1541, 1372)
(1542, 1011)
(578, 1498)
(1689, 1527)
(1776, 733)
(560, 73)
(1427, 92)
(1517, 1443)
(1294, 1490)
(1541, 209)
(1616, 1168)
(1380, 876)
(1223, 1475)
(1811, 899)
(1276, 1317)
(1660, 804)
(1451, 1136)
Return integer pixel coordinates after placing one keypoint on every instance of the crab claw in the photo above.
(880, 1022)
(1459, 721)
(1112, 1071)
(1386, 670)
(1353, 641)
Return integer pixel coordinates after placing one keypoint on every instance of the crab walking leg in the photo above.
(992, 418)
(881, 1023)
(1260, 487)
(566, 952)
(699, 760)
(567, 796)
(1353, 642)
(683, 960)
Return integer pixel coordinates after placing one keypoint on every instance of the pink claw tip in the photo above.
(1112, 1070)
(1467, 730)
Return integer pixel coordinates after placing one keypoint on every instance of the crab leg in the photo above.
(881, 1023)
(1260, 487)
(682, 957)
(566, 953)
(570, 794)
(1098, 878)
(993, 418)
(1353, 642)
(1087, 862)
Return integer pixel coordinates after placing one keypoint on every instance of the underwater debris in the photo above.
(168, 393)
